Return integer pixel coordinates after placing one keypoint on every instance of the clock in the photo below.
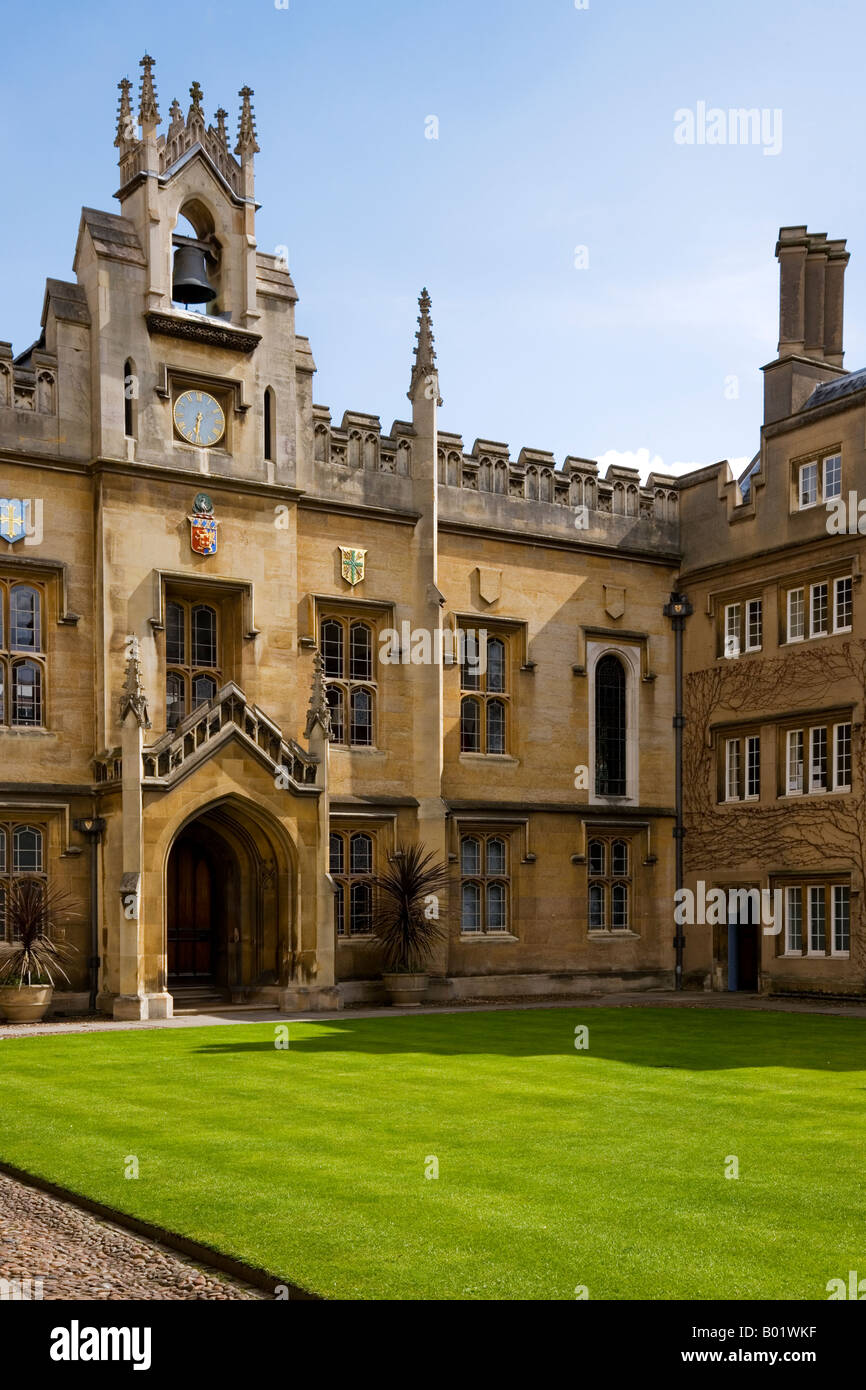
(199, 418)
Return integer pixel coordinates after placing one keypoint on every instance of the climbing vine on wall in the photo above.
(794, 834)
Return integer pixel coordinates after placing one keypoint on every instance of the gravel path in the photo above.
(79, 1256)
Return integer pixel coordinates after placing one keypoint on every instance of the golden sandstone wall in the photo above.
(558, 564)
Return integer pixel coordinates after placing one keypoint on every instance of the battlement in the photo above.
(358, 443)
(534, 477)
(28, 383)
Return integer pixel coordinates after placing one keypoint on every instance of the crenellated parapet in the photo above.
(49, 382)
(534, 477)
(359, 445)
(28, 383)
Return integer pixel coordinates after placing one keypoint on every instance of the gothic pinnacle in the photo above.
(424, 367)
(148, 113)
(196, 115)
(176, 118)
(246, 126)
(222, 133)
(125, 124)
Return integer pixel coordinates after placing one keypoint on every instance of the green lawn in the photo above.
(557, 1167)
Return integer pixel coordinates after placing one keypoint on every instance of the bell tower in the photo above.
(189, 317)
(189, 173)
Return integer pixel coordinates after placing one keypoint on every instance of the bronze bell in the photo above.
(190, 284)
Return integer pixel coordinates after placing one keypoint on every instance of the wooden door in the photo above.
(190, 921)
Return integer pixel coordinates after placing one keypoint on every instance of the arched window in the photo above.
(618, 906)
(193, 675)
(483, 669)
(495, 664)
(495, 726)
(204, 688)
(204, 635)
(470, 907)
(175, 703)
(596, 907)
(485, 884)
(361, 907)
(348, 656)
(26, 694)
(22, 671)
(130, 399)
(26, 850)
(22, 855)
(270, 424)
(352, 866)
(470, 725)
(25, 627)
(360, 652)
(609, 888)
(332, 648)
(175, 634)
(610, 727)
(337, 707)
(361, 720)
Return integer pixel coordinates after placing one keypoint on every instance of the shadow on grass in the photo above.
(705, 1040)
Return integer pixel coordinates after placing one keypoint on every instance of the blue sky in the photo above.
(555, 131)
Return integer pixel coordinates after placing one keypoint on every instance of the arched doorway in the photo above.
(227, 905)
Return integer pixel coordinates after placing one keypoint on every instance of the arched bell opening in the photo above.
(196, 281)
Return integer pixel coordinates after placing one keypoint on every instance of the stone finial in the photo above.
(319, 711)
(222, 133)
(424, 371)
(176, 119)
(195, 115)
(148, 112)
(246, 146)
(133, 697)
(126, 134)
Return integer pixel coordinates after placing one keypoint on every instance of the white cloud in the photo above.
(648, 462)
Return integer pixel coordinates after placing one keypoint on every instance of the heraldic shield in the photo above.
(352, 564)
(203, 526)
(13, 519)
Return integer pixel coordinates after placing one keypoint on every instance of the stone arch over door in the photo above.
(229, 896)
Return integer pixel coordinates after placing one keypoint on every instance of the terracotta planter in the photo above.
(24, 1004)
(406, 991)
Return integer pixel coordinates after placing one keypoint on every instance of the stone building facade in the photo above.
(775, 663)
(238, 642)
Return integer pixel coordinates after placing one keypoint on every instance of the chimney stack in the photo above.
(811, 293)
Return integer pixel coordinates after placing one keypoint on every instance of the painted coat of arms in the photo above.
(203, 526)
(352, 564)
(13, 519)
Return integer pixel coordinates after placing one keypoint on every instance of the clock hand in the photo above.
(197, 425)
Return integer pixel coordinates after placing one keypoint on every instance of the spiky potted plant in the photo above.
(406, 920)
(36, 914)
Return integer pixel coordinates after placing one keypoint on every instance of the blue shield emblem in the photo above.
(13, 525)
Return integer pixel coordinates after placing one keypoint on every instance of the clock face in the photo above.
(199, 418)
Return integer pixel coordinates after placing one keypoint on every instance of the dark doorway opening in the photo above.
(744, 947)
(191, 881)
